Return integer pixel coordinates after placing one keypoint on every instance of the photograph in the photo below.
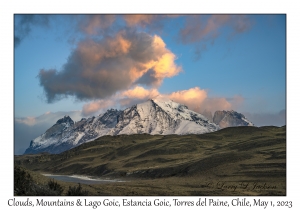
(149, 104)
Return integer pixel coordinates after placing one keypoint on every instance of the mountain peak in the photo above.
(230, 119)
(65, 119)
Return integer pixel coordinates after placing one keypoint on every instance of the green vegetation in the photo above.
(53, 185)
(77, 191)
(25, 185)
(177, 165)
(22, 181)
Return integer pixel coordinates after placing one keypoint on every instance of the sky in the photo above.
(82, 65)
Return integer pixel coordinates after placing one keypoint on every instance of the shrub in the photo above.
(76, 191)
(24, 185)
(54, 186)
(22, 181)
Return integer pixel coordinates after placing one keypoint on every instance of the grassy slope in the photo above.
(204, 164)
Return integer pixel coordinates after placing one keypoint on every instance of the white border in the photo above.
(8, 8)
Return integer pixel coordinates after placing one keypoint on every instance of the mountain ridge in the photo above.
(153, 116)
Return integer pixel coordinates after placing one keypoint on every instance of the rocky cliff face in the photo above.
(230, 119)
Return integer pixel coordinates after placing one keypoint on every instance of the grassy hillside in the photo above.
(232, 161)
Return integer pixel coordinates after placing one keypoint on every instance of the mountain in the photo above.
(158, 116)
(65, 134)
(230, 119)
(161, 117)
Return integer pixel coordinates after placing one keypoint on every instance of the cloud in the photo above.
(151, 21)
(199, 49)
(136, 95)
(240, 23)
(202, 30)
(74, 25)
(140, 19)
(88, 25)
(23, 25)
(207, 28)
(236, 101)
(140, 93)
(214, 104)
(98, 69)
(26, 120)
(197, 100)
(95, 24)
(97, 106)
(266, 119)
(121, 100)
(193, 97)
(48, 117)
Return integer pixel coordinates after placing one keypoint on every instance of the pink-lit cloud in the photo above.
(140, 93)
(100, 69)
(96, 106)
(92, 24)
(144, 20)
(30, 121)
(195, 98)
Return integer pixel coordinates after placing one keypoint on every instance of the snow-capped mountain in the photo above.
(158, 116)
(65, 134)
(230, 119)
(161, 117)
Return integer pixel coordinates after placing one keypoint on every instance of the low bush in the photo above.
(22, 181)
(24, 185)
(54, 186)
(76, 191)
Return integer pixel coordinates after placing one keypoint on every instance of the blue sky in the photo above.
(209, 62)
